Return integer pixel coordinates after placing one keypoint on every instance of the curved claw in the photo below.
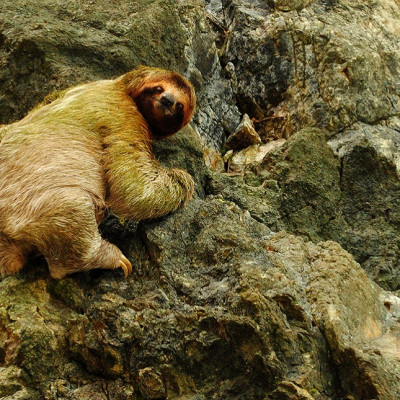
(125, 264)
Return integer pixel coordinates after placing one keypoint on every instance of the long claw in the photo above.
(124, 268)
(128, 264)
(125, 265)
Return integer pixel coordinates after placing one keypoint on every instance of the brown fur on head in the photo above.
(165, 99)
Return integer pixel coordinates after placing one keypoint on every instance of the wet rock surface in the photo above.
(280, 280)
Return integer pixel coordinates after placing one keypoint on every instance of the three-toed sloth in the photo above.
(88, 150)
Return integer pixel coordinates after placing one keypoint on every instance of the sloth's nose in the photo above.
(167, 100)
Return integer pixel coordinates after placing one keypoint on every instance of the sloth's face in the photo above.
(164, 105)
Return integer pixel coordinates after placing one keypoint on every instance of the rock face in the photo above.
(332, 65)
(280, 280)
(313, 63)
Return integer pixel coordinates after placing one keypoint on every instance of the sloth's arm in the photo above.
(139, 187)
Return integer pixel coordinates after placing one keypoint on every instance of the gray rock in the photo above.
(351, 198)
(223, 308)
(369, 157)
(318, 63)
(383, 140)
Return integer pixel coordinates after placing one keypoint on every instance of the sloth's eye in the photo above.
(159, 89)
(179, 106)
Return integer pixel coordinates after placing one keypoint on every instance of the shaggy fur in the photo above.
(87, 150)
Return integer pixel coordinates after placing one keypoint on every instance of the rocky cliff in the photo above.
(281, 279)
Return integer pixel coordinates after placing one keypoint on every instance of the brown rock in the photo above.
(245, 135)
(151, 384)
(213, 160)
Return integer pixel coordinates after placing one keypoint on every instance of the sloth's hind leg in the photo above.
(12, 257)
(104, 255)
(69, 237)
(99, 254)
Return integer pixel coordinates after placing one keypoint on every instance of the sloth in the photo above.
(81, 152)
